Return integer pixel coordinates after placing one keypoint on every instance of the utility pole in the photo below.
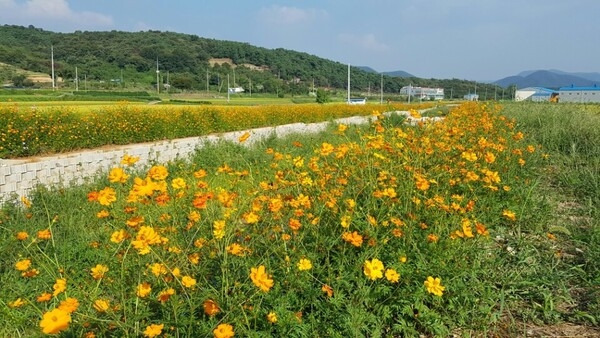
(348, 83)
(227, 88)
(381, 90)
(206, 80)
(76, 81)
(157, 77)
(52, 56)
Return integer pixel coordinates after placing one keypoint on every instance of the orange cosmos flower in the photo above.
(22, 235)
(353, 238)
(70, 305)
(210, 307)
(44, 297)
(165, 295)
(327, 289)
(44, 234)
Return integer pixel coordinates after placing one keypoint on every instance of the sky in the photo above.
(480, 40)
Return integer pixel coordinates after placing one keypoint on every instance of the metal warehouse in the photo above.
(579, 94)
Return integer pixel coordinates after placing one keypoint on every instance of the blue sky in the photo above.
(481, 40)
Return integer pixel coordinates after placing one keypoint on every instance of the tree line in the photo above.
(114, 57)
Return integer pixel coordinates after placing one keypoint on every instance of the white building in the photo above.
(579, 94)
(471, 97)
(423, 93)
(536, 94)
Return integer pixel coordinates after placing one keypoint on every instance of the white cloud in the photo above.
(283, 15)
(364, 41)
(50, 12)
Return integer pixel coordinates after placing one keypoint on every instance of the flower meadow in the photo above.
(41, 130)
(377, 230)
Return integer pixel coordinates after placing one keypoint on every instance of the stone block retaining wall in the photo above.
(20, 176)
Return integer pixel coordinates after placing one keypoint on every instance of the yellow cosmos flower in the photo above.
(421, 182)
(261, 279)
(434, 286)
(326, 149)
(158, 172)
(251, 218)
(235, 249)
(469, 156)
(304, 264)
(98, 271)
(101, 305)
(178, 183)
(59, 287)
(107, 196)
(188, 281)
(117, 175)
(272, 317)
(153, 330)
(392, 276)
(373, 269)
(143, 290)
(55, 321)
(509, 215)
(146, 237)
(224, 331)
(119, 236)
(16, 303)
(244, 137)
(23, 264)
(129, 160)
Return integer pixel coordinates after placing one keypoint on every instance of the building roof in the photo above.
(538, 90)
(574, 88)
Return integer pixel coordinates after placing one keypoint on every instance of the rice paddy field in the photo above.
(484, 224)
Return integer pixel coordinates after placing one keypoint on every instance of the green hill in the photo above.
(116, 59)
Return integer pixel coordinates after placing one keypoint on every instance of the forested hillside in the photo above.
(129, 59)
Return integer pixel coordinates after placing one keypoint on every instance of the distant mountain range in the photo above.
(552, 78)
(397, 73)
